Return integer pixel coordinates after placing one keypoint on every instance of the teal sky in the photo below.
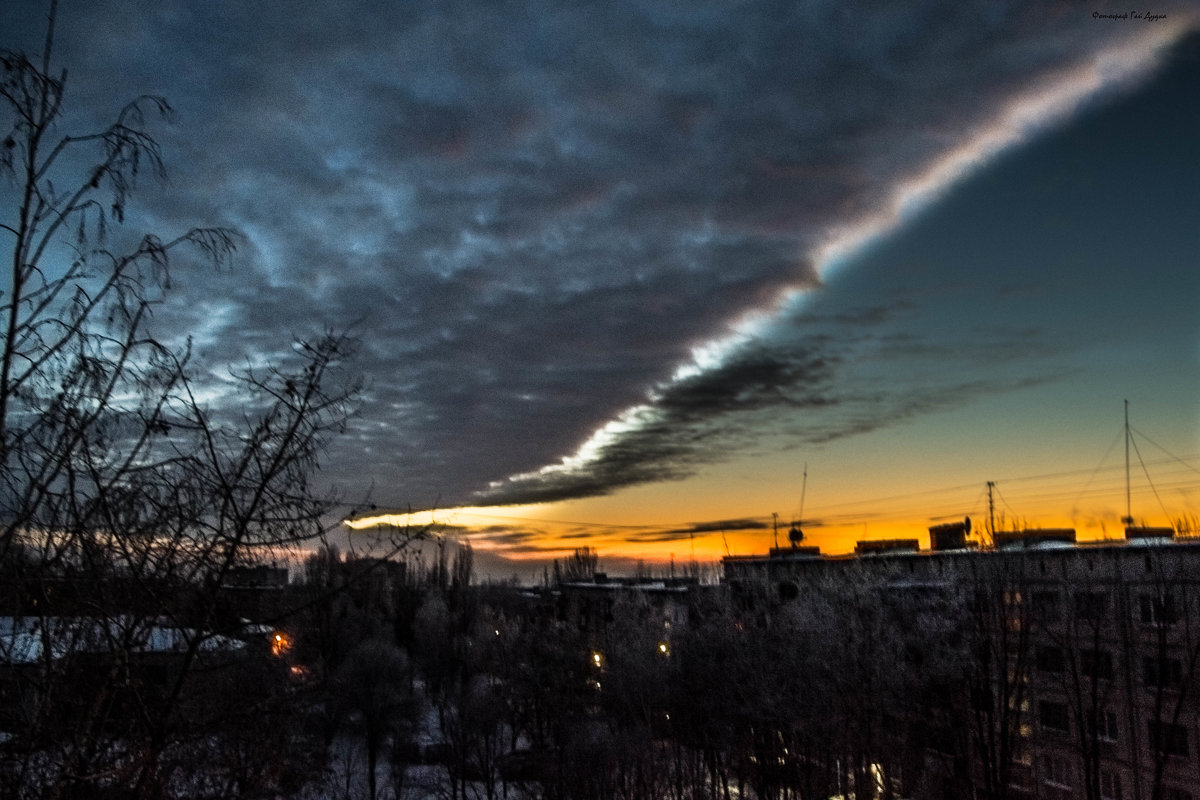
(992, 336)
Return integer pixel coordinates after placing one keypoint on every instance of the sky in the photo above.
(666, 278)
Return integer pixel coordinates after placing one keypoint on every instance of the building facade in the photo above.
(1078, 664)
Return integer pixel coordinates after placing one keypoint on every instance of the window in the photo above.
(1091, 606)
(1158, 609)
(1013, 604)
(1056, 771)
(1017, 676)
(1168, 739)
(1104, 725)
(1096, 664)
(1047, 606)
(1054, 716)
(1162, 673)
(979, 601)
(1110, 785)
(981, 698)
(1050, 659)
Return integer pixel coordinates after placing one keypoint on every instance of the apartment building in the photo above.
(1081, 670)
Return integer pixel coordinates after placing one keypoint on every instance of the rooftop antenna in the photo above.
(991, 529)
(775, 527)
(796, 534)
(1128, 520)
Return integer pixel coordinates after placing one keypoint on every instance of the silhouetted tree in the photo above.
(373, 691)
(999, 656)
(124, 501)
(1161, 644)
(581, 565)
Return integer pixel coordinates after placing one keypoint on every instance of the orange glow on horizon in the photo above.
(550, 537)
(870, 488)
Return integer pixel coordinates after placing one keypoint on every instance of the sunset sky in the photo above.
(623, 271)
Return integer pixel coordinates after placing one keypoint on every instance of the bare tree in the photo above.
(1160, 641)
(1076, 661)
(124, 501)
(999, 617)
(581, 565)
(373, 687)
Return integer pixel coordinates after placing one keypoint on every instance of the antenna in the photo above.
(803, 491)
(1128, 520)
(796, 534)
(991, 529)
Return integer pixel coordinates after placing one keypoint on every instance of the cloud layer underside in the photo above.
(807, 393)
(534, 211)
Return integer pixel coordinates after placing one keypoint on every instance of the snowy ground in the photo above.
(345, 775)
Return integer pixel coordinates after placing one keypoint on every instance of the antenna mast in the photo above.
(991, 485)
(1128, 503)
(803, 491)
(796, 534)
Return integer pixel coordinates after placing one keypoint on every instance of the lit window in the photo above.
(280, 643)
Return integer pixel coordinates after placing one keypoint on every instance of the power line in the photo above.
(1173, 457)
(909, 503)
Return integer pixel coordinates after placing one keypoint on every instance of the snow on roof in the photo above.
(23, 640)
(176, 640)
(25, 648)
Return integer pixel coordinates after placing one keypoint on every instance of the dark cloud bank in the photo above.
(532, 212)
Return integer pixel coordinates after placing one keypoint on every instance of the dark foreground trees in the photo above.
(125, 503)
